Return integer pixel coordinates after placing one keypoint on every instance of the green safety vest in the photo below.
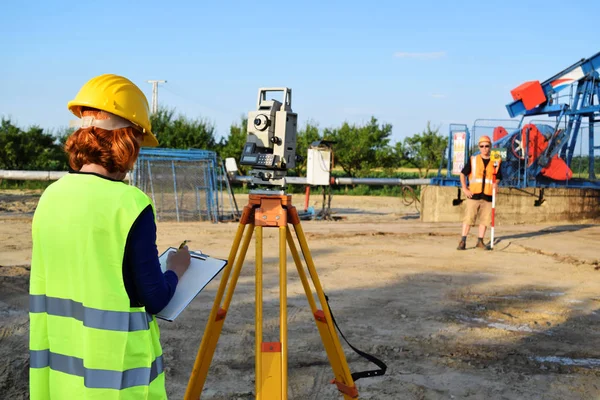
(86, 341)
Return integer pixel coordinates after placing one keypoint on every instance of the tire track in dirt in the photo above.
(14, 333)
(562, 258)
(400, 235)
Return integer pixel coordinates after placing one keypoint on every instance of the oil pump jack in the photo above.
(541, 153)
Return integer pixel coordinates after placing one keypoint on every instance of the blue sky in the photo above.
(405, 64)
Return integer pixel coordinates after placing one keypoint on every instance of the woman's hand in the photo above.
(179, 261)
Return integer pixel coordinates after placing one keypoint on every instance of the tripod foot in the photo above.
(351, 391)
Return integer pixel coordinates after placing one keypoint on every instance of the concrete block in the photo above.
(515, 206)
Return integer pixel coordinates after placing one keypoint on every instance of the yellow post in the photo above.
(283, 310)
(258, 335)
(271, 371)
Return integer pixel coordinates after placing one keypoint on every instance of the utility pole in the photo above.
(155, 94)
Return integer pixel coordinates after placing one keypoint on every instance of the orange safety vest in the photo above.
(477, 174)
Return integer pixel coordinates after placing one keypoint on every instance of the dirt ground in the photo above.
(519, 322)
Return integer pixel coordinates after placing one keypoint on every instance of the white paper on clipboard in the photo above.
(202, 270)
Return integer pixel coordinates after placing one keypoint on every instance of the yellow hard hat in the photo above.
(485, 138)
(117, 95)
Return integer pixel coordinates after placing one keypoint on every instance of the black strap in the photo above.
(364, 374)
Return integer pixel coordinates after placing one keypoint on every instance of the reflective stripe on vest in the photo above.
(96, 378)
(91, 317)
(476, 178)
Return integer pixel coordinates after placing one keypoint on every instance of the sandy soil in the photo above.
(520, 322)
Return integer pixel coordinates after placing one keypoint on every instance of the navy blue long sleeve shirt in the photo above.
(144, 281)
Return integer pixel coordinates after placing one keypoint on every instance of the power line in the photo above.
(155, 94)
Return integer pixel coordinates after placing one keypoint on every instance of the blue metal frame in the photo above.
(552, 86)
(206, 157)
(568, 110)
(449, 179)
(577, 107)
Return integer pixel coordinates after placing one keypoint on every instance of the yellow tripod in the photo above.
(271, 358)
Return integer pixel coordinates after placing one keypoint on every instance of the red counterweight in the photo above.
(530, 93)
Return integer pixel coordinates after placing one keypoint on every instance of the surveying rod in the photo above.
(493, 205)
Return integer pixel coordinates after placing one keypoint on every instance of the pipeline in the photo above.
(292, 180)
(380, 181)
(408, 193)
(295, 180)
(35, 175)
(31, 175)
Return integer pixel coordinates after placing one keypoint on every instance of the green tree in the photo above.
(233, 145)
(62, 134)
(32, 149)
(400, 155)
(182, 133)
(389, 158)
(361, 148)
(305, 137)
(425, 150)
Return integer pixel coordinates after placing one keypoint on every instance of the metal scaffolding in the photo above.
(185, 185)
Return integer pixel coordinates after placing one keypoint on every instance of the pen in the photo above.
(181, 246)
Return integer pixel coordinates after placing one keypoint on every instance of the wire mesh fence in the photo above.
(185, 185)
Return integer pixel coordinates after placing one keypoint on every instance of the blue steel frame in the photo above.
(173, 155)
(580, 106)
(585, 75)
(449, 179)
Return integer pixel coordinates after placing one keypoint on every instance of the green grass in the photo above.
(23, 185)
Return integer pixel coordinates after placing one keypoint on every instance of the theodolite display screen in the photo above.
(249, 159)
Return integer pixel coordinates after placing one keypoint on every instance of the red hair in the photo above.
(115, 150)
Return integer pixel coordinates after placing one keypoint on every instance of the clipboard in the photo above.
(201, 271)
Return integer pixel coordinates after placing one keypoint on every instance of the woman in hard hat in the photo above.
(95, 275)
(480, 171)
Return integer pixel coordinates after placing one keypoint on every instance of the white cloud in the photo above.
(420, 56)
(438, 95)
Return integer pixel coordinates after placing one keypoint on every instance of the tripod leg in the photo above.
(217, 314)
(283, 331)
(337, 358)
(258, 335)
(303, 278)
(271, 357)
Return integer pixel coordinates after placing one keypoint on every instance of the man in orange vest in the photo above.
(479, 192)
